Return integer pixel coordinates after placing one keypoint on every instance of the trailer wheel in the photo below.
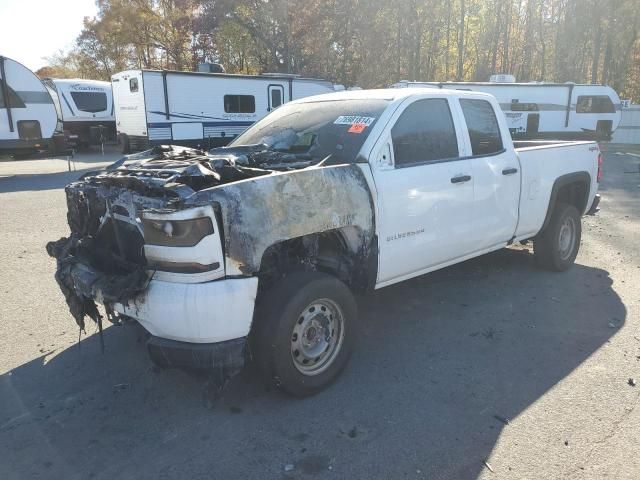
(556, 247)
(304, 332)
(125, 143)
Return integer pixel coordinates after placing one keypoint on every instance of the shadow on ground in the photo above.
(441, 361)
(41, 181)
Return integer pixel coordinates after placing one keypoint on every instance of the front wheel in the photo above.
(305, 331)
(556, 247)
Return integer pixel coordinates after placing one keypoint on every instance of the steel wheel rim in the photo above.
(567, 238)
(317, 337)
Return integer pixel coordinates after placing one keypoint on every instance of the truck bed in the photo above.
(542, 162)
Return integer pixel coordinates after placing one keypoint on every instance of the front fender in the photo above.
(260, 212)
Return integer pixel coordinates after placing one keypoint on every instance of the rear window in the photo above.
(595, 104)
(239, 103)
(484, 131)
(91, 102)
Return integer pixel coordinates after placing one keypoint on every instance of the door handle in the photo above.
(461, 178)
(509, 171)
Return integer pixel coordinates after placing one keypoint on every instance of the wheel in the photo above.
(125, 143)
(304, 332)
(556, 247)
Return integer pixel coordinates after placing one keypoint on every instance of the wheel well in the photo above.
(574, 193)
(340, 252)
(572, 189)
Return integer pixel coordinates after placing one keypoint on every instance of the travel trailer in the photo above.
(27, 114)
(564, 111)
(81, 105)
(197, 109)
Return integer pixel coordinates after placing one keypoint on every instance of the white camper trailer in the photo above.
(198, 109)
(27, 115)
(83, 105)
(547, 110)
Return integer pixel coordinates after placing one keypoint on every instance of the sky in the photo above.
(34, 29)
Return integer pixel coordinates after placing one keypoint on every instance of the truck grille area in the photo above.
(102, 258)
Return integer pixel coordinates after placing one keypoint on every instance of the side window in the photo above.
(424, 132)
(276, 97)
(595, 104)
(239, 103)
(482, 123)
(133, 84)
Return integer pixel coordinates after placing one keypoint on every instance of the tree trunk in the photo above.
(460, 72)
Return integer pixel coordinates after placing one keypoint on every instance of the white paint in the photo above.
(198, 313)
(186, 131)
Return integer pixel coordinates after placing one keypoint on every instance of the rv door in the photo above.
(276, 96)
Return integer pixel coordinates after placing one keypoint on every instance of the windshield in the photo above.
(335, 129)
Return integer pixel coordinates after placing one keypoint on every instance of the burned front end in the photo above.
(176, 239)
(142, 249)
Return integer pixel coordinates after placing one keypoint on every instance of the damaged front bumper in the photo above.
(193, 325)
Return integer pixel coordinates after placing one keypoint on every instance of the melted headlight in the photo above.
(176, 233)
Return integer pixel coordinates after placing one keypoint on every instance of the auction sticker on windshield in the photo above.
(354, 120)
(357, 128)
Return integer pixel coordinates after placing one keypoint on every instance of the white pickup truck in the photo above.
(254, 250)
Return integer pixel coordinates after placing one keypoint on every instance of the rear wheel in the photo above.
(556, 247)
(305, 332)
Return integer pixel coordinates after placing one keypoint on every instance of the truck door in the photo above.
(276, 96)
(496, 174)
(424, 191)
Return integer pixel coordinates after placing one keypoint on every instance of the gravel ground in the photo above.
(488, 369)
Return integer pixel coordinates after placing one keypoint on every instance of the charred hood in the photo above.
(173, 170)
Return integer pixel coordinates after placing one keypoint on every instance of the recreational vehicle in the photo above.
(27, 114)
(547, 110)
(198, 109)
(81, 105)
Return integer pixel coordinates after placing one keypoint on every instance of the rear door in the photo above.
(424, 191)
(496, 174)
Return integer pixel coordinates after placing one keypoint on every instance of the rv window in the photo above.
(524, 107)
(424, 132)
(484, 131)
(133, 84)
(239, 103)
(91, 102)
(276, 97)
(14, 100)
(595, 104)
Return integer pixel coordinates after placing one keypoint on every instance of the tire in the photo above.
(556, 247)
(289, 340)
(125, 144)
